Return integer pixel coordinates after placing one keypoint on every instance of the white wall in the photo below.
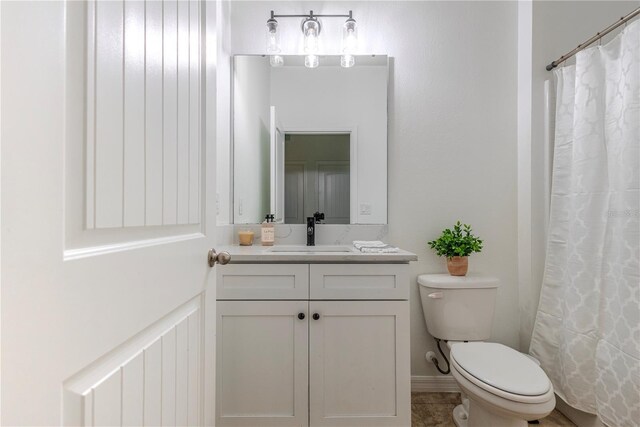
(220, 49)
(452, 128)
(251, 135)
(556, 28)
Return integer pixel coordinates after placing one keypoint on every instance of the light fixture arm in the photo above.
(312, 15)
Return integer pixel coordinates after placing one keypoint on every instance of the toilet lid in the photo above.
(501, 367)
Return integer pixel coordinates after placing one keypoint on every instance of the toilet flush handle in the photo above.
(435, 295)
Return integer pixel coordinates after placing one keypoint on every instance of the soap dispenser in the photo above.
(268, 231)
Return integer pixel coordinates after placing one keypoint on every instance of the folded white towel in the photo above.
(374, 246)
(385, 250)
(369, 244)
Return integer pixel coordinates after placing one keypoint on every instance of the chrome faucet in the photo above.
(311, 227)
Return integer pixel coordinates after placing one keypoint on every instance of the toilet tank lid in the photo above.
(446, 281)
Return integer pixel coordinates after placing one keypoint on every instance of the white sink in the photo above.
(309, 249)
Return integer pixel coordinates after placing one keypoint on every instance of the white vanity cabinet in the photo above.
(329, 352)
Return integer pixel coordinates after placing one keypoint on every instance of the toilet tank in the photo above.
(458, 308)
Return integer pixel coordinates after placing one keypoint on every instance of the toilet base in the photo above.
(471, 414)
(460, 416)
(478, 416)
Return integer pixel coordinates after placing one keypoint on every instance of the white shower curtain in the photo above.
(587, 329)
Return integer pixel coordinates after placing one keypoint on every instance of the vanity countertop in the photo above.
(312, 254)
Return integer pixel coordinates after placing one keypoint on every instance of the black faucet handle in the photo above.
(318, 216)
(311, 231)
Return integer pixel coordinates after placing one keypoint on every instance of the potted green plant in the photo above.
(457, 244)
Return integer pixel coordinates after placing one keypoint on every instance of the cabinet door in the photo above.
(359, 363)
(262, 363)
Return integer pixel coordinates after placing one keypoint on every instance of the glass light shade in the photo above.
(276, 60)
(311, 61)
(349, 36)
(273, 36)
(347, 60)
(311, 30)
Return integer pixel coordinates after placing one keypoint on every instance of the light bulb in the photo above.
(311, 31)
(350, 36)
(347, 60)
(273, 36)
(311, 61)
(276, 60)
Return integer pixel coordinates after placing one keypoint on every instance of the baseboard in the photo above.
(440, 383)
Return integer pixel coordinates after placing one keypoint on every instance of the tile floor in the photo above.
(434, 410)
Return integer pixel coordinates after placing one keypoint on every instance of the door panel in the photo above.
(106, 401)
(334, 186)
(152, 383)
(133, 125)
(133, 392)
(96, 274)
(116, 134)
(262, 363)
(135, 170)
(153, 114)
(359, 363)
(169, 395)
(294, 187)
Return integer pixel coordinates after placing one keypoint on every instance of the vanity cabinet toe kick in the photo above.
(313, 345)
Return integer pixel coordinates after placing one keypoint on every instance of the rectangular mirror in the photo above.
(309, 140)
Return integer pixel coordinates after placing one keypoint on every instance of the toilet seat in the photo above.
(501, 371)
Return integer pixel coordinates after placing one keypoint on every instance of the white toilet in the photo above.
(501, 386)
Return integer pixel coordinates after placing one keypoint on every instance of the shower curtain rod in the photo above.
(598, 36)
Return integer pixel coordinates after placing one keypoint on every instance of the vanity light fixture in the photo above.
(311, 28)
(273, 43)
(349, 42)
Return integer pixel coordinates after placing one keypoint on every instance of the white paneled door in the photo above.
(108, 303)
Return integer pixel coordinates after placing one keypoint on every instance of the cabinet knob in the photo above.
(316, 316)
(301, 316)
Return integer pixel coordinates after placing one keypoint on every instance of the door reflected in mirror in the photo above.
(310, 140)
(317, 177)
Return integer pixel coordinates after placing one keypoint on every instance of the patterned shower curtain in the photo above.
(587, 329)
